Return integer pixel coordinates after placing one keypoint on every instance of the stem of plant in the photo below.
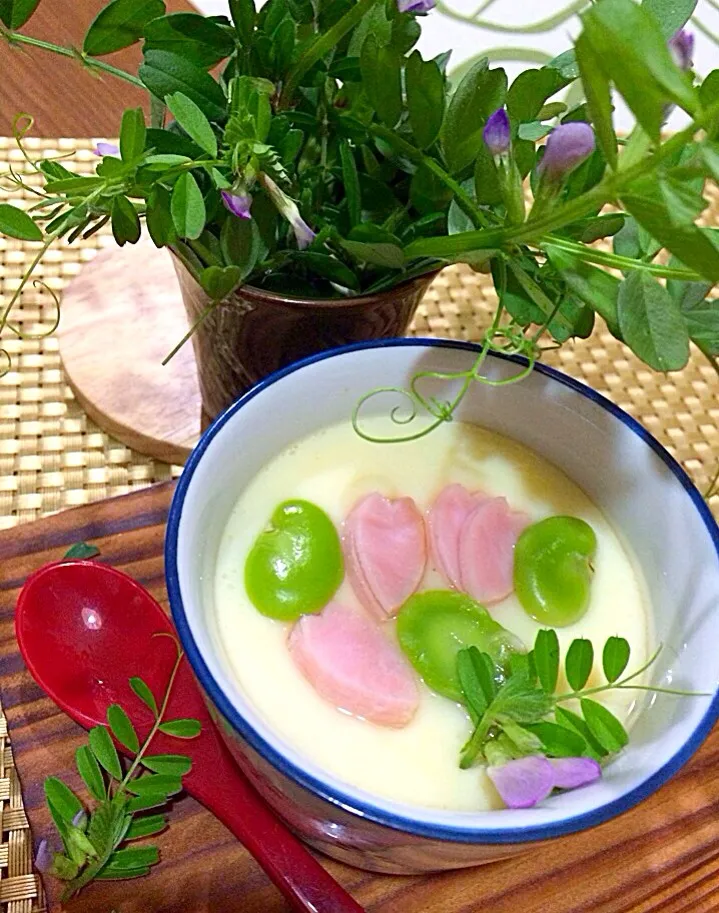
(91, 62)
(416, 155)
(603, 258)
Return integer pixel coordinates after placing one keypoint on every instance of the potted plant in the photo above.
(310, 173)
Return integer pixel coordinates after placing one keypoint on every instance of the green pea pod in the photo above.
(432, 627)
(295, 566)
(553, 571)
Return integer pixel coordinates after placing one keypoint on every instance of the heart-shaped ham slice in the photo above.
(445, 520)
(385, 551)
(486, 550)
(352, 664)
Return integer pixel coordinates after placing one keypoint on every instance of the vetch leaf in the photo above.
(145, 826)
(470, 683)
(604, 726)
(120, 24)
(188, 207)
(220, 281)
(546, 658)
(110, 874)
(142, 690)
(558, 741)
(241, 243)
(595, 287)
(572, 721)
(15, 13)
(425, 98)
(530, 90)
(670, 14)
(389, 256)
(578, 663)
(477, 96)
(158, 217)
(132, 134)
(651, 322)
(62, 799)
(122, 728)
(82, 550)
(703, 325)
(17, 224)
(90, 772)
(243, 16)
(132, 857)
(615, 657)
(102, 747)
(165, 73)
(350, 179)
(192, 120)
(629, 46)
(141, 803)
(125, 221)
(381, 75)
(174, 765)
(197, 38)
(155, 785)
(181, 728)
(525, 741)
(599, 98)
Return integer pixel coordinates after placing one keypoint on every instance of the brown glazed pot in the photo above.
(254, 332)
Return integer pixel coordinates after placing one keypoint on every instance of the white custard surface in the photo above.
(334, 468)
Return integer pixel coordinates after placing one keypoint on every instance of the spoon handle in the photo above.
(305, 883)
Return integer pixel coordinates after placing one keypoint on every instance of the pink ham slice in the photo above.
(486, 549)
(385, 551)
(445, 520)
(352, 664)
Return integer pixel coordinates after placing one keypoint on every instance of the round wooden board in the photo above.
(121, 316)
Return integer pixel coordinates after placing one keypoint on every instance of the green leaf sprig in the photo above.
(99, 844)
(522, 714)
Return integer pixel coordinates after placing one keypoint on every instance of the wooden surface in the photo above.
(64, 98)
(662, 857)
(120, 317)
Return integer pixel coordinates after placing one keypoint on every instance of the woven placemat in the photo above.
(52, 456)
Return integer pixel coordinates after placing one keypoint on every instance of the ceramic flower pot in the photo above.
(255, 332)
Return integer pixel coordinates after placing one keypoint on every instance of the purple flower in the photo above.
(496, 133)
(416, 6)
(569, 773)
(79, 819)
(568, 146)
(44, 857)
(106, 149)
(525, 782)
(681, 47)
(288, 208)
(237, 203)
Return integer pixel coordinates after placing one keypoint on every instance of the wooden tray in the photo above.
(662, 857)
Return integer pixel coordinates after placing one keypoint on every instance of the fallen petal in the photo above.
(106, 149)
(524, 782)
(570, 773)
(43, 857)
(353, 664)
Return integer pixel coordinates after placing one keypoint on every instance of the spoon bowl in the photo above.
(84, 630)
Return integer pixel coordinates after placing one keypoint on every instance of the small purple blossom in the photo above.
(569, 773)
(416, 6)
(102, 149)
(525, 782)
(567, 146)
(237, 203)
(79, 819)
(496, 133)
(288, 209)
(681, 47)
(44, 857)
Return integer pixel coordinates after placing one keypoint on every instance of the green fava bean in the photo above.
(432, 627)
(295, 566)
(552, 569)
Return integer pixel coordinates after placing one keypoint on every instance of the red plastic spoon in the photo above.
(84, 630)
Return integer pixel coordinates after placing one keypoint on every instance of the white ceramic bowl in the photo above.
(640, 487)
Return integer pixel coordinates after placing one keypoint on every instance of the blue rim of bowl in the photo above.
(346, 801)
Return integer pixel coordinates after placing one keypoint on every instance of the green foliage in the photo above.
(82, 550)
(383, 158)
(120, 24)
(95, 842)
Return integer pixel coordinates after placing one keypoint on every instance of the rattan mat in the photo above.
(52, 456)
